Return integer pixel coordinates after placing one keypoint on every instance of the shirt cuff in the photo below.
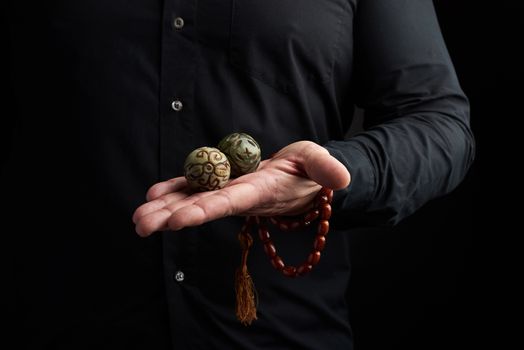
(359, 194)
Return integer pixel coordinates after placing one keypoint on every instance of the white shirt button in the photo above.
(177, 105)
(179, 276)
(178, 23)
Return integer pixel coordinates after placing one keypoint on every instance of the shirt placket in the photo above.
(178, 66)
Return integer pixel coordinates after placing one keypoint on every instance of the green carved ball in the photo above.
(207, 169)
(242, 151)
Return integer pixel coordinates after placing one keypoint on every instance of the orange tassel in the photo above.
(246, 305)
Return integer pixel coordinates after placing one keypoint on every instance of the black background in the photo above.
(430, 283)
(419, 285)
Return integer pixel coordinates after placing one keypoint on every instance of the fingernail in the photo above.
(140, 233)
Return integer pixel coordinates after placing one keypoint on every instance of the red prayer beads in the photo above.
(322, 210)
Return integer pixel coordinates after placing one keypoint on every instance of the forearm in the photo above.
(400, 165)
(417, 143)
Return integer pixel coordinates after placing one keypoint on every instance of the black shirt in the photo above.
(94, 123)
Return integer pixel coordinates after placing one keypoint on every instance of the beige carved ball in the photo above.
(207, 169)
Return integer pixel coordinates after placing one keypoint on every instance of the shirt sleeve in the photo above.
(417, 143)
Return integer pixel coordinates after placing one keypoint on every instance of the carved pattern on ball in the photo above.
(207, 169)
(243, 153)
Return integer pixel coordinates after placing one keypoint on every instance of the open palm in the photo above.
(283, 185)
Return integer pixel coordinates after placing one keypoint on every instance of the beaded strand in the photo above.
(245, 290)
(322, 210)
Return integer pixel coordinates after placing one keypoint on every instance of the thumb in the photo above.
(325, 169)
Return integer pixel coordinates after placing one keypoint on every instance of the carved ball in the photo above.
(243, 153)
(207, 169)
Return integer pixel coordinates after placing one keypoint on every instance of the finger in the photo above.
(190, 199)
(161, 188)
(157, 204)
(152, 222)
(325, 169)
(153, 216)
(228, 201)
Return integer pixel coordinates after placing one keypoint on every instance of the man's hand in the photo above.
(283, 185)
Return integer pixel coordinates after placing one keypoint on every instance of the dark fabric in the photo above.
(91, 128)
